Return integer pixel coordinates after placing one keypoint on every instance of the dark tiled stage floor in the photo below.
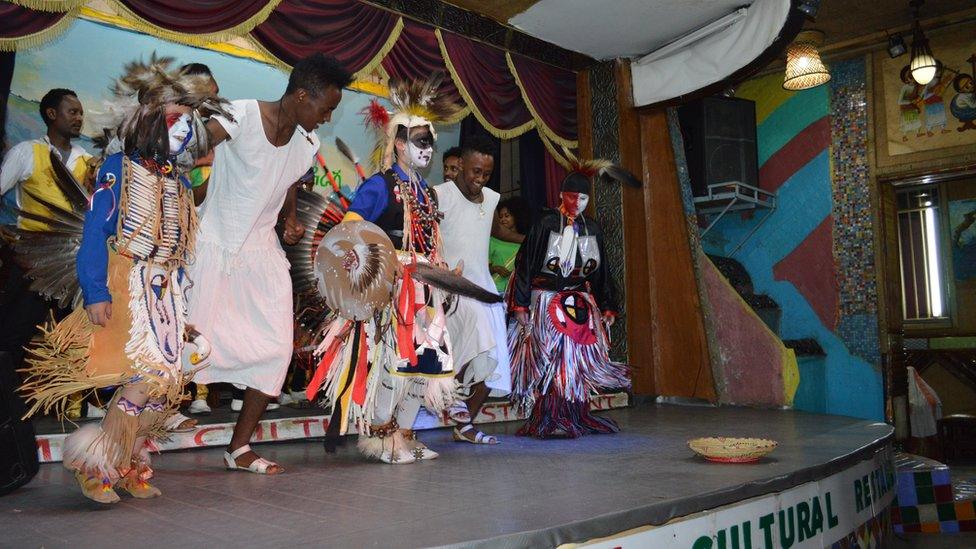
(524, 492)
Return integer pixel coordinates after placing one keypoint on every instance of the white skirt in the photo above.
(243, 304)
(477, 328)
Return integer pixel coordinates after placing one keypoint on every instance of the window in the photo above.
(923, 292)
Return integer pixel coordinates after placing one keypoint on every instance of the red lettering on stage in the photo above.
(274, 430)
(198, 436)
(44, 445)
(487, 414)
(304, 422)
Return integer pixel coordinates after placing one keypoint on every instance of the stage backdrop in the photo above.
(90, 55)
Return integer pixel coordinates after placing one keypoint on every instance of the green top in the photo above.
(502, 253)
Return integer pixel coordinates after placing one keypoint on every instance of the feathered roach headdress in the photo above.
(136, 113)
(415, 103)
(582, 172)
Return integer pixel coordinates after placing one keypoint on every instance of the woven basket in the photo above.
(732, 450)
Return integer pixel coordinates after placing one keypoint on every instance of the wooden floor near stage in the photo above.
(523, 492)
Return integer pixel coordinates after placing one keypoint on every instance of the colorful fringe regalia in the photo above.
(561, 357)
(136, 234)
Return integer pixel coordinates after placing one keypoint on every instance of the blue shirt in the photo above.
(372, 195)
(100, 225)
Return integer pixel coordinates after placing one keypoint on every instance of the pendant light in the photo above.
(804, 69)
(923, 64)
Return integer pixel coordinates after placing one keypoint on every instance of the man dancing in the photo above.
(378, 369)
(478, 329)
(242, 290)
(563, 300)
(137, 240)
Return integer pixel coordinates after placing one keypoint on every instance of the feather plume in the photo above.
(599, 167)
(376, 116)
(66, 182)
(346, 151)
(456, 284)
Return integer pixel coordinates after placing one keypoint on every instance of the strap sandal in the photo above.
(259, 466)
(479, 437)
(178, 423)
(458, 412)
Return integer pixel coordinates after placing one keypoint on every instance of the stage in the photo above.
(638, 487)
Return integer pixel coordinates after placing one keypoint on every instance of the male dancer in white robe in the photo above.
(242, 290)
(478, 329)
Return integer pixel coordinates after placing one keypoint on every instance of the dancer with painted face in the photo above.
(564, 303)
(382, 360)
(137, 238)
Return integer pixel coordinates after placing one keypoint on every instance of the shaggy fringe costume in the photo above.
(560, 279)
(380, 363)
(137, 237)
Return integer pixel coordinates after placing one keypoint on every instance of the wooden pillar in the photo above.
(682, 364)
(636, 221)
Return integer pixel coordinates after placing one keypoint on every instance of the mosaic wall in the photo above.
(606, 139)
(853, 224)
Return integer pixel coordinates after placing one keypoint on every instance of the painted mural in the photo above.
(940, 114)
(962, 224)
(811, 155)
(87, 57)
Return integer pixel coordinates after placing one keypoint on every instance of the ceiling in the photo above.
(605, 29)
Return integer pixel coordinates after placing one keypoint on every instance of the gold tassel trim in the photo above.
(39, 37)
(202, 39)
(540, 125)
(373, 63)
(497, 132)
(55, 6)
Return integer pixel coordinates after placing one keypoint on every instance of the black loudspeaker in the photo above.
(720, 142)
(18, 449)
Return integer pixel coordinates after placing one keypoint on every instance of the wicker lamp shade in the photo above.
(804, 69)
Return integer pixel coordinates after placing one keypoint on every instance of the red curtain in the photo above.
(201, 17)
(19, 22)
(555, 173)
(416, 55)
(552, 92)
(483, 71)
(351, 31)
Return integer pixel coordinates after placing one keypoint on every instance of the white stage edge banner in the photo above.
(49, 447)
(812, 515)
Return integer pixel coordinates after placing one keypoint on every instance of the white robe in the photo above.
(475, 327)
(241, 297)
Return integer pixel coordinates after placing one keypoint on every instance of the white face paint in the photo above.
(178, 133)
(584, 199)
(419, 158)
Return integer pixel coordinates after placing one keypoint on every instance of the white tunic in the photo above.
(479, 327)
(241, 297)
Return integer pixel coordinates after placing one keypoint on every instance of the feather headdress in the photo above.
(596, 168)
(414, 103)
(140, 95)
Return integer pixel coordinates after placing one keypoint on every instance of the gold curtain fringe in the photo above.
(202, 39)
(556, 154)
(391, 40)
(56, 6)
(40, 37)
(497, 132)
(540, 124)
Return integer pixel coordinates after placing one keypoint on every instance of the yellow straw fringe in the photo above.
(540, 125)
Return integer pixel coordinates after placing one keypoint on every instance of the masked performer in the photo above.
(564, 303)
(137, 236)
(388, 351)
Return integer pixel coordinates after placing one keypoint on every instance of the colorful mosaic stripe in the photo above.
(925, 500)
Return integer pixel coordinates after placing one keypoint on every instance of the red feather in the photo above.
(588, 171)
(376, 115)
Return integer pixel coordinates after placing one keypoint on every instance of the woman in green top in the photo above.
(513, 218)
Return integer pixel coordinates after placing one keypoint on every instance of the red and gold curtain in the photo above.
(201, 22)
(23, 26)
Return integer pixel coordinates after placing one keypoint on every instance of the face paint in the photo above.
(574, 203)
(420, 149)
(179, 132)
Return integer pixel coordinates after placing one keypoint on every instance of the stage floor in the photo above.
(523, 492)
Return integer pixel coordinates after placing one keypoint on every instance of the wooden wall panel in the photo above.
(680, 348)
(635, 204)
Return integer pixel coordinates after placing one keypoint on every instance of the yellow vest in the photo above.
(41, 183)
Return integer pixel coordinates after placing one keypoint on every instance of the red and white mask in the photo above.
(573, 204)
